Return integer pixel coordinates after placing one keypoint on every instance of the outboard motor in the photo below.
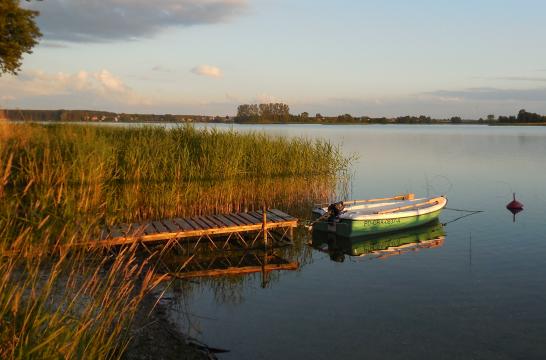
(335, 209)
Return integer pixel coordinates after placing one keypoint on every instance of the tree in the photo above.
(456, 120)
(345, 118)
(247, 112)
(273, 112)
(491, 118)
(18, 35)
(528, 117)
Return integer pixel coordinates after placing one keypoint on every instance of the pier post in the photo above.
(264, 224)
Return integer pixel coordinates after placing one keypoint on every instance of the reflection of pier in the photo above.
(225, 263)
(244, 228)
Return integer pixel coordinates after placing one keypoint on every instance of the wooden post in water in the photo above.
(264, 224)
(265, 275)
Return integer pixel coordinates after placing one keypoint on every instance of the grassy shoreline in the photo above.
(341, 123)
(60, 183)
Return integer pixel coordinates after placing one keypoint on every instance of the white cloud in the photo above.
(110, 82)
(207, 70)
(100, 90)
(85, 85)
(110, 20)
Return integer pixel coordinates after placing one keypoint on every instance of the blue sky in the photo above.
(378, 58)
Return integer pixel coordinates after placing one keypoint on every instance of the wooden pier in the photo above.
(228, 226)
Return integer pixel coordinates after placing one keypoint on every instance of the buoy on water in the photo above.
(514, 207)
(514, 204)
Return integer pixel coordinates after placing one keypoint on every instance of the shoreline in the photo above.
(154, 336)
(268, 123)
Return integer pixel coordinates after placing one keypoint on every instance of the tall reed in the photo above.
(78, 178)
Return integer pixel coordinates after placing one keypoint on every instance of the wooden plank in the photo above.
(183, 224)
(218, 223)
(282, 214)
(236, 221)
(116, 232)
(225, 220)
(135, 228)
(210, 224)
(279, 218)
(171, 225)
(149, 229)
(257, 216)
(160, 227)
(193, 224)
(250, 218)
(270, 216)
(202, 224)
(240, 220)
(275, 217)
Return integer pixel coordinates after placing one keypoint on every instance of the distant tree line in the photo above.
(257, 113)
(104, 116)
(523, 117)
(280, 113)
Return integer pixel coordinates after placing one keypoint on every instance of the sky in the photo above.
(440, 58)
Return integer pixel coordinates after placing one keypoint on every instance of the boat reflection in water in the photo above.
(427, 236)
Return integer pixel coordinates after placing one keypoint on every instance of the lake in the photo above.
(481, 294)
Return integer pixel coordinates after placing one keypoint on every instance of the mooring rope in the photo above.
(464, 210)
(469, 213)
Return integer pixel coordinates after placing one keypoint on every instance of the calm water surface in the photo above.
(480, 295)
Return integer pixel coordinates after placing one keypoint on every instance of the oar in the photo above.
(407, 207)
(409, 196)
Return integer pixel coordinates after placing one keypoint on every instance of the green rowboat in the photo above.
(376, 216)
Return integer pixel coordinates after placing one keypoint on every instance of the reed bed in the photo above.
(76, 178)
(59, 184)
